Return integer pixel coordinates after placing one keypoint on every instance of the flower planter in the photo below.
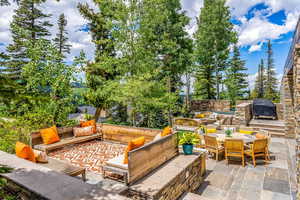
(187, 149)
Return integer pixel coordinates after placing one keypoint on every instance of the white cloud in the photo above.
(256, 47)
(241, 7)
(251, 80)
(79, 40)
(258, 29)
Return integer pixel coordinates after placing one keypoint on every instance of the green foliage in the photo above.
(259, 88)
(228, 132)
(11, 131)
(61, 38)
(4, 194)
(28, 25)
(271, 90)
(137, 66)
(188, 138)
(236, 78)
(51, 83)
(213, 38)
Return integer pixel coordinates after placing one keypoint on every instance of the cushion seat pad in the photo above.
(117, 162)
(64, 142)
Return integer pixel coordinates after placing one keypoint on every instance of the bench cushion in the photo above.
(117, 162)
(64, 142)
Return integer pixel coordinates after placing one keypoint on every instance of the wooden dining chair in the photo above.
(212, 146)
(234, 148)
(259, 148)
(268, 136)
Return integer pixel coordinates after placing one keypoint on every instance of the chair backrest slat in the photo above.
(234, 146)
(260, 145)
(210, 141)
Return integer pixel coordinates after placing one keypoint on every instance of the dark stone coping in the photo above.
(50, 184)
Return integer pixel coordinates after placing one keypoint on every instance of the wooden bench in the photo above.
(182, 173)
(143, 160)
(124, 134)
(66, 136)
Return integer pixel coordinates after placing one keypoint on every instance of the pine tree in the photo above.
(259, 88)
(213, 38)
(236, 78)
(7, 2)
(28, 25)
(101, 75)
(61, 37)
(166, 22)
(271, 91)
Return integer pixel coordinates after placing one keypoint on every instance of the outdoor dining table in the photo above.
(221, 137)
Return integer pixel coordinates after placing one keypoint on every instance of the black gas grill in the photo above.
(263, 108)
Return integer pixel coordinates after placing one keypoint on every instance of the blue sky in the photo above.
(256, 21)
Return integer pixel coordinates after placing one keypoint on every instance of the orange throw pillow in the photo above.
(133, 144)
(260, 136)
(24, 151)
(89, 123)
(49, 135)
(167, 131)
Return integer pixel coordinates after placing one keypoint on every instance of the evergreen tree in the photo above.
(271, 91)
(213, 38)
(236, 78)
(259, 90)
(101, 75)
(61, 39)
(7, 2)
(29, 24)
(166, 22)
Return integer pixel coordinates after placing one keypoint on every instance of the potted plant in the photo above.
(228, 132)
(188, 140)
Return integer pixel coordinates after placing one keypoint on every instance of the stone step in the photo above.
(267, 123)
(277, 134)
(278, 130)
(193, 196)
(276, 126)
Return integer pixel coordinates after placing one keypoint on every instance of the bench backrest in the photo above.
(64, 132)
(145, 159)
(124, 134)
(185, 122)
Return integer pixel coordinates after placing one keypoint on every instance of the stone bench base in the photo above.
(181, 174)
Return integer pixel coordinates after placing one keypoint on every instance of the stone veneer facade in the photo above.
(211, 105)
(290, 96)
(243, 114)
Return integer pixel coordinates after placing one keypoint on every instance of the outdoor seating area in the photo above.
(275, 180)
(150, 154)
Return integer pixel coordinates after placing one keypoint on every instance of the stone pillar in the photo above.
(243, 114)
(296, 73)
(288, 104)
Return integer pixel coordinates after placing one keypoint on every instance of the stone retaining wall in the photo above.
(210, 105)
(243, 114)
(243, 101)
(188, 181)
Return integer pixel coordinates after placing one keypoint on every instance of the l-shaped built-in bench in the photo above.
(158, 170)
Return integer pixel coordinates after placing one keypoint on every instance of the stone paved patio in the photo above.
(274, 181)
(90, 155)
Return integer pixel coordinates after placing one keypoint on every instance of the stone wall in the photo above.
(210, 105)
(187, 180)
(243, 114)
(243, 101)
(279, 111)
